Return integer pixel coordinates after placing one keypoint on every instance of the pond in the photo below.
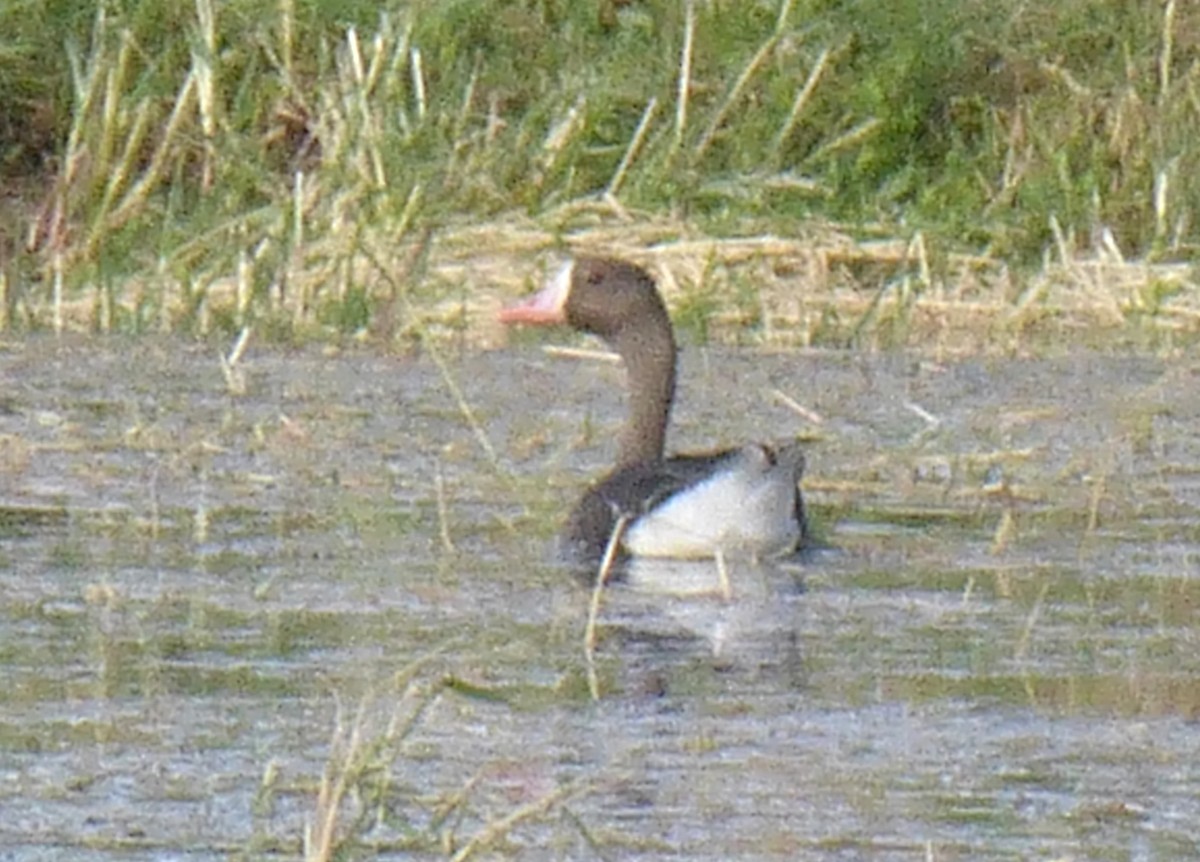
(320, 590)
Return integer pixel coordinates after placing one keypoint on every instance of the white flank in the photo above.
(746, 506)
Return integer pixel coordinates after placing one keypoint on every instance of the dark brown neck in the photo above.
(649, 353)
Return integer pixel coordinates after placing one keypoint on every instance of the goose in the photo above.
(691, 506)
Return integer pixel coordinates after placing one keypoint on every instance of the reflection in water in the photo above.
(689, 595)
(931, 693)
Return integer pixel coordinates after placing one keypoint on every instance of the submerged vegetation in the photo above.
(878, 170)
(980, 174)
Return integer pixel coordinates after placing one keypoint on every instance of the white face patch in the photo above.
(559, 285)
(548, 305)
(553, 296)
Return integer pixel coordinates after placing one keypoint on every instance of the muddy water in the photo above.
(994, 653)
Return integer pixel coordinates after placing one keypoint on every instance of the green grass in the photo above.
(306, 165)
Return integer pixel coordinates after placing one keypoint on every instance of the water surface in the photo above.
(992, 655)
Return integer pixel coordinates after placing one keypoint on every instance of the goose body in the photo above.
(692, 506)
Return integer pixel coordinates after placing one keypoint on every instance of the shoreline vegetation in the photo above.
(953, 176)
(965, 175)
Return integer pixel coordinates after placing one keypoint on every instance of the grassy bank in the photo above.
(817, 173)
